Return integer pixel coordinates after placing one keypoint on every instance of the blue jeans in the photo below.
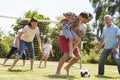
(30, 47)
(103, 58)
(13, 50)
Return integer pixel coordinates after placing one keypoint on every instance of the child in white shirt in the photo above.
(46, 51)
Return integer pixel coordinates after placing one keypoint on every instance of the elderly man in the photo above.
(111, 39)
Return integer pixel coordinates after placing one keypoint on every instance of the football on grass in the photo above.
(85, 73)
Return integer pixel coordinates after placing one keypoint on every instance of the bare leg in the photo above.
(45, 62)
(74, 60)
(15, 61)
(31, 63)
(40, 62)
(70, 44)
(61, 62)
(76, 43)
(5, 61)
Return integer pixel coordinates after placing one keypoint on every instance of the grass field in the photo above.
(24, 73)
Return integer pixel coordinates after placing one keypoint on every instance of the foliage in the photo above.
(4, 48)
(103, 7)
(55, 38)
(94, 58)
(117, 21)
(8, 39)
(88, 41)
(87, 46)
(1, 32)
(55, 44)
(5, 44)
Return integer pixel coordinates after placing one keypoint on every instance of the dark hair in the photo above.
(84, 15)
(90, 15)
(31, 20)
(45, 40)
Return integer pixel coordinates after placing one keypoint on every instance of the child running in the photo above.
(14, 49)
(46, 51)
(69, 23)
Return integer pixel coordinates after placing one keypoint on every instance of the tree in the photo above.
(103, 7)
(5, 43)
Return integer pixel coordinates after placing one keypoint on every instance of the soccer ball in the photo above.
(85, 73)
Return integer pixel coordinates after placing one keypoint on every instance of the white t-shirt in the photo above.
(15, 42)
(29, 33)
(47, 48)
(83, 27)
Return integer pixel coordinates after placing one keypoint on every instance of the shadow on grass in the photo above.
(70, 77)
(10, 65)
(19, 70)
(6, 65)
(106, 77)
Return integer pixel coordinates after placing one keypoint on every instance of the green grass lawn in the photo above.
(24, 73)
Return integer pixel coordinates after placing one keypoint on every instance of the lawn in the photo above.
(24, 73)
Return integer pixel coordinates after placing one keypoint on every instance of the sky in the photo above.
(48, 8)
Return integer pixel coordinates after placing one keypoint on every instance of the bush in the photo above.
(87, 46)
(4, 49)
(91, 58)
(94, 58)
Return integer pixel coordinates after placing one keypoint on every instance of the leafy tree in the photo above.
(88, 40)
(103, 7)
(5, 44)
(117, 21)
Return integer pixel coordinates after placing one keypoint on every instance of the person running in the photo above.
(26, 39)
(63, 43)
(14, 49)
(46, 51)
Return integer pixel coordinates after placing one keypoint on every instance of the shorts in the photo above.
(63, 43)
(69, 34)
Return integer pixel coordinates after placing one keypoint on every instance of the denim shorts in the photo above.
(69, 34)
(30, 47)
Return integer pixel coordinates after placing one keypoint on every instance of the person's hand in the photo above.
(40, 48)
(97, 51)
(113, 50)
